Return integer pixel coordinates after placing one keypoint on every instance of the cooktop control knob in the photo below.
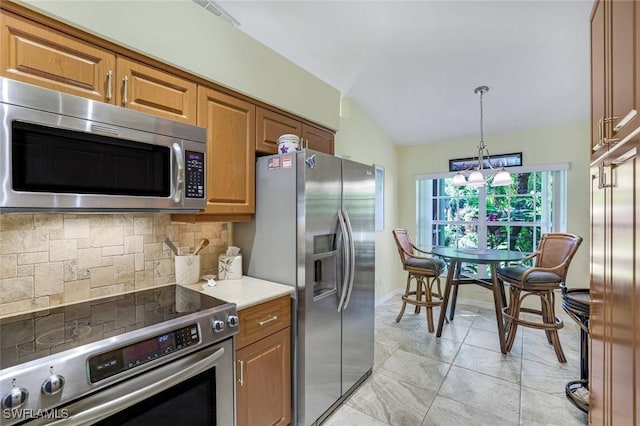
(232, 320)
(218, 326)
(15, 398)
(53, 384)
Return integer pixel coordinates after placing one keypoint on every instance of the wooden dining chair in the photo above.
(424, 271)
(552, 260)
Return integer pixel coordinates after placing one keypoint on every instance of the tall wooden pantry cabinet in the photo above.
(615, 215)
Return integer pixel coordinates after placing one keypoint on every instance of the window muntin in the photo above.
(511, 217)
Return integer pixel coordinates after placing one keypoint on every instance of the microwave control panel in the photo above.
(194, 174)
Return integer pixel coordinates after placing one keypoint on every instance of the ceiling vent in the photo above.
(216, 9)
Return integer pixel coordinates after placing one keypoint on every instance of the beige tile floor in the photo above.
(462, 378)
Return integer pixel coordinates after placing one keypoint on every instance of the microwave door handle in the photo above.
(115, 405)
(177, 150)
(346, 259)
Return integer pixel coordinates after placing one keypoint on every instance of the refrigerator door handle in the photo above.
(352, 256)
(346, 256)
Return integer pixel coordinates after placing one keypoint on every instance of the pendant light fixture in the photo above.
(477, 176)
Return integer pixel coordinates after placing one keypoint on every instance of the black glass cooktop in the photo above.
(35, 335)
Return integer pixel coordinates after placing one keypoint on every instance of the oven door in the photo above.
(197, 389)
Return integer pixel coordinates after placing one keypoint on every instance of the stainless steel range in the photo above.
(160, 355)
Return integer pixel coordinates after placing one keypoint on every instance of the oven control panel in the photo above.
(107, 364)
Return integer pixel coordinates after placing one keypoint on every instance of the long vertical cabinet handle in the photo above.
(109, 85)
(241, 378)
(125, 90)
(352, 255)
(599, 145)
(346, 257)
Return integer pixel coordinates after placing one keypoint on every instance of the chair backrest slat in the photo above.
(403, 242)
(557, 248)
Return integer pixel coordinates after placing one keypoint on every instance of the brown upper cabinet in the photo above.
(317, 139)
(230, 124)
(156, 92)
(39, 55)
(615, 73)
(270, 125)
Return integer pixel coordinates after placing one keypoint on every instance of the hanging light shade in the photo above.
(502, 178)
(459, 180)
(476, 177)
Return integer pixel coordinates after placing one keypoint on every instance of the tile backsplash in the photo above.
(51, 259)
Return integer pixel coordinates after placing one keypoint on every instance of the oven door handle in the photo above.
(102, 411)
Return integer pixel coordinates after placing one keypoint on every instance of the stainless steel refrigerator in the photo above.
(314, 230)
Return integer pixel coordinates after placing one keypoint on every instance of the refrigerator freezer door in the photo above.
(358, 316)
(319, 197)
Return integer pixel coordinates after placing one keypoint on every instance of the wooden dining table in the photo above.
(493, 258)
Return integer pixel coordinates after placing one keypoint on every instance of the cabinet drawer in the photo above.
(262, 320)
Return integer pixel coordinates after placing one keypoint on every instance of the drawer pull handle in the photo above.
(273, 318)
(241, 379)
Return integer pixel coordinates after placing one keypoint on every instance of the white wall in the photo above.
(540, 146)
(181, 33)
(360, 139)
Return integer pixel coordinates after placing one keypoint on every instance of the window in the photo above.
(508, 217)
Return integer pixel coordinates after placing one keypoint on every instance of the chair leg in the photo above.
(439, 294)
(550, 318)
(419, 285)
(514, 311)
(545, 317)
(404, 303)
(429, 309)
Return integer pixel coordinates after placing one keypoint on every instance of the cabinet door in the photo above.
(598, 75)
(230, 124)
(263, 384)
(317, 139)
(625, 60)
(156, 92)
(39, 55)
(598, 312)
(270, 126)
(624, 334)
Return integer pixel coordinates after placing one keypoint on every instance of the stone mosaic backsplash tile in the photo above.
(51, 259)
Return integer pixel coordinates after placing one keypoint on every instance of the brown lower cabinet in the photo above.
(263, 364)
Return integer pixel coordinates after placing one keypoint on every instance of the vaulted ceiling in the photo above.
(412, 66)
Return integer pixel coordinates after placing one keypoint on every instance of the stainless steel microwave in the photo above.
(60, 152)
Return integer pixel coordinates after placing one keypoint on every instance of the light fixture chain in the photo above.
(481, 119)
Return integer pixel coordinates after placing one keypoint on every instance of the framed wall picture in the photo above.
(501, 160)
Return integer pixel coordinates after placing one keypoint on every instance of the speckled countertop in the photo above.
(245, 292)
